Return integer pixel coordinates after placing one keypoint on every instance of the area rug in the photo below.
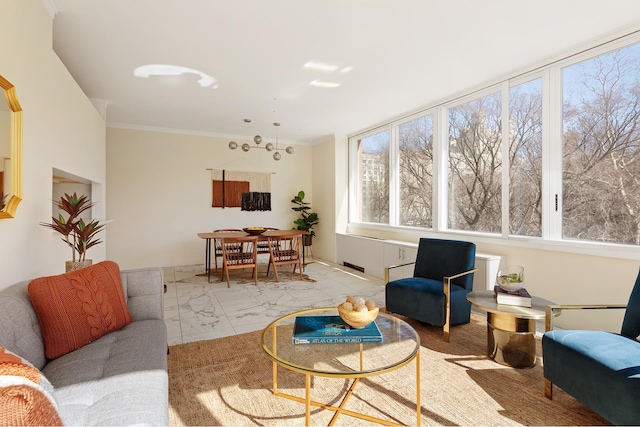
(228, 381)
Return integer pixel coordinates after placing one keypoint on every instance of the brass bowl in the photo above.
(358, 319)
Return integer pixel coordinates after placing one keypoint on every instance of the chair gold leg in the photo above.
(548, 389)
(447, 309)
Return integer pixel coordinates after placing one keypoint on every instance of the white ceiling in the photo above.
(405, 55)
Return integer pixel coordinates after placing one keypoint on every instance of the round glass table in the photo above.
(400, 346)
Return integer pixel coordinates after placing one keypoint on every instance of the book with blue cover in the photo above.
(332, 330)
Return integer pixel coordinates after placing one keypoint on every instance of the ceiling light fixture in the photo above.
(269, 146)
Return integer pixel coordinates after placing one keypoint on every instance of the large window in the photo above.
(415, 140)
(475, 165)
(554, 154)
(373, 168)
(601, 148)
(525, 159)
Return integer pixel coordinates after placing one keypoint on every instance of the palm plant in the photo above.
(77, 233)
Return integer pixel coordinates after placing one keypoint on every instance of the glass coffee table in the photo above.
(400, 346)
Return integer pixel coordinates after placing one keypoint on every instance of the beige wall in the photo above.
(323, 202)
(330, 164)
(61, 130)
(159, 192)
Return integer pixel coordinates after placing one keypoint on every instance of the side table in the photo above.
(510, 329)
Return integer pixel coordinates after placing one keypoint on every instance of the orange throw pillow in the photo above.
(79, 307)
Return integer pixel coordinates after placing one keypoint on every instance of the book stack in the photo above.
(520, 297)
(332, 330)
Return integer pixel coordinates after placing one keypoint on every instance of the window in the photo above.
(475, 165)
(415, 140)
(525, 159)
(567, 135)
(601, 148)
(373, 166)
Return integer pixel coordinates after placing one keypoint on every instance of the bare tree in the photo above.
(416, 172)
(475, 161)
(601, 171)
(525, 159)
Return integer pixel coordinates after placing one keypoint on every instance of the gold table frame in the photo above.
(355, 375)
(510, 329)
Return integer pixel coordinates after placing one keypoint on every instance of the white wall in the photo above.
(61, 129)
(159, 192)
(323, 202)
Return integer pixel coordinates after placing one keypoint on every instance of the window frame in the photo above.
(551, 222)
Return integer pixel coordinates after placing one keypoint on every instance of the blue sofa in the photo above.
(600, 369)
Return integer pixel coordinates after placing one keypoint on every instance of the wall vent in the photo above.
(355, 267)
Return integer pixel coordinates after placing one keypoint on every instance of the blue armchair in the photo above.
(437, 292)
(600, 369)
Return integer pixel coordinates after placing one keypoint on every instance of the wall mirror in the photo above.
(10, 151)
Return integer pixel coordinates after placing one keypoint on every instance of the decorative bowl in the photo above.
(254, 230)
(358, 319)
(511, 278)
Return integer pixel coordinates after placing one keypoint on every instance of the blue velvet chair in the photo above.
(600, 369)
(437, 292)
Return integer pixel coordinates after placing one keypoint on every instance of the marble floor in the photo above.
(197, 310)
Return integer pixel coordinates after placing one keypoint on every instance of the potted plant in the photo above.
(307, 219)
(78, 234)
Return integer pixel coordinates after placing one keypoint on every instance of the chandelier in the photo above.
(269, 146)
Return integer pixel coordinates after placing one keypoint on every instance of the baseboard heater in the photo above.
(355, 267)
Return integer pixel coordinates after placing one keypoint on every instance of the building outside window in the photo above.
(373, 172)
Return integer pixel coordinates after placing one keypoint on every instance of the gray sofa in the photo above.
(118, 379)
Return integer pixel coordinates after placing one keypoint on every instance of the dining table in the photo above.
(213, 235)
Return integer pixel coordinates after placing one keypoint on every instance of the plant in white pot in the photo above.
(79, 234)
(307, 219)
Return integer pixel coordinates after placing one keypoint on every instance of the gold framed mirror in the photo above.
(10, 151)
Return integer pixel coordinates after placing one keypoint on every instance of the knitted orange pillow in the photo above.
(25, 394)
(79, 307)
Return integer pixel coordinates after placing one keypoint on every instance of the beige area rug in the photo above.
(228, 381)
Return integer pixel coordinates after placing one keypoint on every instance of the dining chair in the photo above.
(217, 246)
(285, 250)
(237, 253)
(263, 245)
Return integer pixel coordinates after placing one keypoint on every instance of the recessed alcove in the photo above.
(65, 182)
